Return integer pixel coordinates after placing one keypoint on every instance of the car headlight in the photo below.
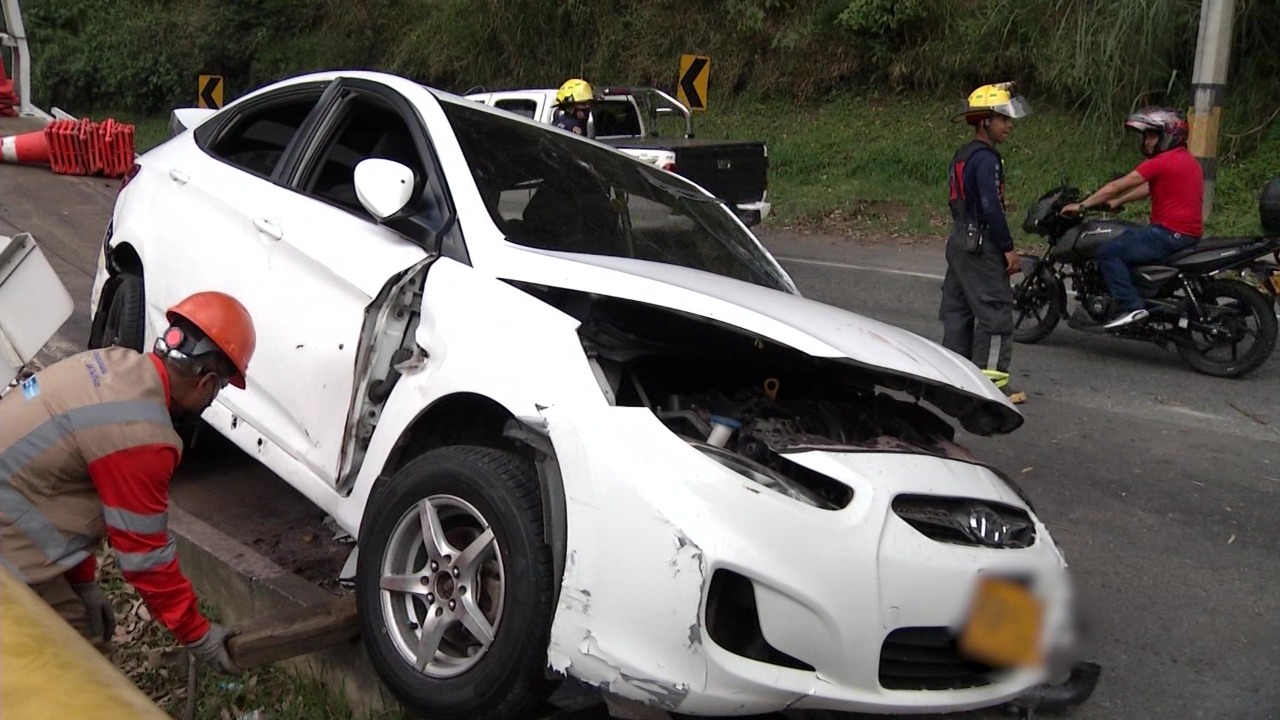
(765, 477)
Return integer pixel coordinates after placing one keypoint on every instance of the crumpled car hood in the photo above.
(904, 361)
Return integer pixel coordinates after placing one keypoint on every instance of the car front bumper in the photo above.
(651, 522)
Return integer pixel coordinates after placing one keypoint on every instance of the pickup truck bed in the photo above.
(732, 170)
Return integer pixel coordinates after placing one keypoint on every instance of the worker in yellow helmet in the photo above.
(575, 99)
(977, 301)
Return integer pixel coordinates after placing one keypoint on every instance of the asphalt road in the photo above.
(1162, 485)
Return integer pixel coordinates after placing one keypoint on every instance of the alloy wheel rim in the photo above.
(441, 586)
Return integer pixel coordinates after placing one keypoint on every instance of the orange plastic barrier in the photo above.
(74, 147)
(8, 98)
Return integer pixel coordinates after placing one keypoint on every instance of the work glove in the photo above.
(212, 648)
(102, 617)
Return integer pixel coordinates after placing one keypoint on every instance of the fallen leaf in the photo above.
(309, 537)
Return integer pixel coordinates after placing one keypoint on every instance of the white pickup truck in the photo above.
(639, 121)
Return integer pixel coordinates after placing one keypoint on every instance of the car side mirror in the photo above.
(383, 187)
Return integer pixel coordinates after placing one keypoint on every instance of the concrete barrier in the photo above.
(244, 584)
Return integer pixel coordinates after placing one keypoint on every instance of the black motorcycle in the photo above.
(1221, 326)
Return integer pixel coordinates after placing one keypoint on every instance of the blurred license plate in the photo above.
(1003, 629)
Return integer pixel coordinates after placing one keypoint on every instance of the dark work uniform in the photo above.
(977, 300)
(570, 122)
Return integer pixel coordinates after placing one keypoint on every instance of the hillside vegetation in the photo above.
(806, 75)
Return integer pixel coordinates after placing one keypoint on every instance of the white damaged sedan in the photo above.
(581, 422)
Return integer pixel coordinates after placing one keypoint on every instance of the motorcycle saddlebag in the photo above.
(1269, 208)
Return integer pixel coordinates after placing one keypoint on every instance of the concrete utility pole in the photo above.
(1209, 81)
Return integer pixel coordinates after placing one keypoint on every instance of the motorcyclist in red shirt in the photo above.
(1174, 181)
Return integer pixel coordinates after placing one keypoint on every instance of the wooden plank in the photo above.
(279, 637)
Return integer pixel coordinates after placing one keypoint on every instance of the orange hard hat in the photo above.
(225, 322)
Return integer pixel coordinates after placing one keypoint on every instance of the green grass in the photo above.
(278, 694)
(151, 658)
(877, 167)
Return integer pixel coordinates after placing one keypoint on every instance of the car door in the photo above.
(217, 226)
(325, 277)
(302, 256)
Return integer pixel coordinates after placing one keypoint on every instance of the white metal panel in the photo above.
(33, 303)
(812, 327)
(483, 337)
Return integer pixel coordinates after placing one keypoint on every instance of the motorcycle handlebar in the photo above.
(1089, 211)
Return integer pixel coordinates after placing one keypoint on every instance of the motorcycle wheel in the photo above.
(1037, 304)
(1238, 314)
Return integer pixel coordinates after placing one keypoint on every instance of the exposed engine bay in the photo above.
(747, 401)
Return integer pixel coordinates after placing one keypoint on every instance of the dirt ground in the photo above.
(223, 486)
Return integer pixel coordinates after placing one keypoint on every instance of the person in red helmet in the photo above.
(1173, 179)
(87, 449)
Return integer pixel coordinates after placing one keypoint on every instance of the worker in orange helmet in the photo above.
(87, 449)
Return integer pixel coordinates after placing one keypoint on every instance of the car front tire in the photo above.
(454, 585)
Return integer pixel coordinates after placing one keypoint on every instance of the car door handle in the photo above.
(178, 176)
(268, 227)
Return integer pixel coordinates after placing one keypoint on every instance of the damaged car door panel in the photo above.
(584, 426)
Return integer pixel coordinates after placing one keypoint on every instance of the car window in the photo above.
(256, 140)
(553, 191)
(614, 117)
(527, 108)
(367, 129)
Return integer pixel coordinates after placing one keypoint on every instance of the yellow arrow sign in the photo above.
(209, 92)
(695, 70)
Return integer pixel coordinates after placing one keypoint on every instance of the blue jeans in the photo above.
(1136, 247)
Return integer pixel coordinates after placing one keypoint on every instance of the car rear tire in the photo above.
(125, 323)
(486, 571)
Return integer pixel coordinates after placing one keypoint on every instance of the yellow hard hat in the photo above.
(575, 91)
(997, 98)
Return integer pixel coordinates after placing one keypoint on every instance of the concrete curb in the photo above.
(244, 584)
